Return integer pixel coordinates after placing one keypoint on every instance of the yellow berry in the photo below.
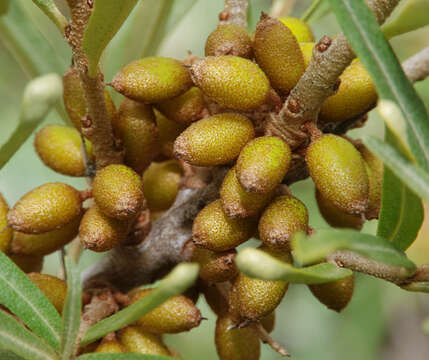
(355, 96)
(336, 294)
(169, 130)
(263, 163)
(231, 81)
(28, 263)
(336, 217)
(60, 148)
(98, 232)
(278, 53)
(234, 343)
(175, 315)
(110, 347)
(214, 230)
(269, 322)
(229, 39)
(48, 207)
(307, 52)
(135, 126)
(185, 108)
(54, 289)
(285, 216)
(161, 184)
(215, 140)
(214, 298)
(118, 192)
(239, 203)
(138, 341)
(152, 79)
(45, 243)
(5, 232)
(299, 28)
(339, 173)
(74, 99)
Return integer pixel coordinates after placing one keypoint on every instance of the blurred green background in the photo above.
(382, 322)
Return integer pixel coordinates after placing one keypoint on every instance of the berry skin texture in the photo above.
(48, 207)
(215, 266)
(152, 80)
(231, 81)
(285, 216)
(98, 232)
(54, 289)
(213, 230)
(339, 172)
(118, 192)
(161, 184)
(135, 126)
(59, 147)
(278, 53)
(215, 140)
(335, 217)
(239, 203)
(355, 95)
(299, 28)
(184, 109)
(74, 99)
(263, 163)
(236, 343)
(229, 39)
(176, 315)
(28, 263)
(6, 234)
(46, 243)
(168, 131)
(110, 347)
(253, 299)
(138, 341)
(336, 295)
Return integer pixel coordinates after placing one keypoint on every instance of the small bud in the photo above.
(234, 343)
(213, 230)
(263, 163)
(175, 315)
(231, 81)
(135, 126)
(60, 148)
(48, 207)
(54, 289)
(278, 54)
(229, 39)
(285, 216)
(239, 203)
(215, 140)
(118, 192)
(152, 80)
(338, 170)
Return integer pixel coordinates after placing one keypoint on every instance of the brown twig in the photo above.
(234, 12)
(97, 128)
(267, 339)
(417, 67)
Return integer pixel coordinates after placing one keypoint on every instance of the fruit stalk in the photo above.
(97, 125)
(320, 80)
(234, 12)
(267, 339)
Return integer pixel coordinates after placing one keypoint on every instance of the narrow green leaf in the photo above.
(22, 297)
(176, 282)
(52, 12)
(16, 338)
(39, 97)
(260, 265)
(122, 357)
(317, 247)
(397, 223)
(317, 10)
(35, 55)
(8, 355)
(106, 19)
(72, 310)
(4, 6)
(410, 15)
(415, 178)
(364, 34)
